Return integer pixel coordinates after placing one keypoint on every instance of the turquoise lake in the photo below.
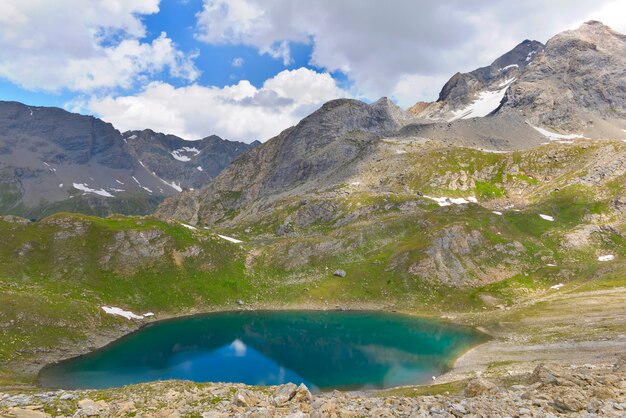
(324, 350)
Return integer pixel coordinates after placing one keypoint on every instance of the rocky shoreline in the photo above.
(550, 390)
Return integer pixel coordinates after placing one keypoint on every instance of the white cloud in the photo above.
(237, 62)
(383, 46)
(84, 45)
(239, 112)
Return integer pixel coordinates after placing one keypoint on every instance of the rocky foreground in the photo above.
(589, 391)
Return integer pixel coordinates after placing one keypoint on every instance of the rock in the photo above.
(27, 413)
(544, 375)
(245, 398)
(67, 397)
(339, 273)
(302, 395)
(240, 302)
(479, 387)
(214, 414)
(569, 401)
(125, 408)
(283, 394)
(89, 408)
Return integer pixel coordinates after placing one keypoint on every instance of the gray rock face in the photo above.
(52, 160)
(461, 88)
(578, 80)
(317, 151)
(189, 164)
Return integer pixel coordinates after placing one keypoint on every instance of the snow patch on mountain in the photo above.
(487, 102)
(178, 154)
(447, 201)
(553, 136)
(85, 188)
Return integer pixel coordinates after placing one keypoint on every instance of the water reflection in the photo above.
(321, 349)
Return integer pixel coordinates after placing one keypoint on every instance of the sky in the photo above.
(247, 69)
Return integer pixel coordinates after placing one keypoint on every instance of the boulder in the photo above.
(245, 398)
(302, 395)
(479, 387)
(283, 394)
(27, 413)
(339, 273)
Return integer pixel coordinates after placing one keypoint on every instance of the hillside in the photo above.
(52, 160)
(501, 206)
(404, 230)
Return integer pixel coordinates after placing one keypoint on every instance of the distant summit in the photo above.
(575, 83)
(52, 160)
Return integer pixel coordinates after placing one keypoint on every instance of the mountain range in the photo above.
(52, 160)
(500, 205)
(573, 87)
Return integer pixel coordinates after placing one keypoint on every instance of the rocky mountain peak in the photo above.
(461, 89)
(576, 84)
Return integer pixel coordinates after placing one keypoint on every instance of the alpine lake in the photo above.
(345, 350)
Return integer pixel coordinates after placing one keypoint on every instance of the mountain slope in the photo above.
(313, 154)
(188, 164)
(575, 84)
(52, 160)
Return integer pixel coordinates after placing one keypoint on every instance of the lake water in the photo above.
(324, 350)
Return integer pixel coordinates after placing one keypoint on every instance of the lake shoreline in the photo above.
(449, 326)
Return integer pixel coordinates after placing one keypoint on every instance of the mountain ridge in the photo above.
(53, 160)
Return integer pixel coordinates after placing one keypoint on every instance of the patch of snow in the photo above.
(494, 151)
(199, 168)
(507, 82)
(557, 286)
(447, 201)
(85, 188)
(553, 136)
(31, 111)
(46, 164)
(116, 190)
(530, 55)
(551, 265)
(546, 217)
(509, 66)
(119, 182)
(146, 189)
(142, 164)
(177, 154)
(608, 257)
(148, 314)
(497, 213)
(111, 310)
(61, 185)
(136, 181)
(487, 102)
(355, 183)
(174, 186)
(193, 228)
(133, 136)
(400, 151)
(235, 240)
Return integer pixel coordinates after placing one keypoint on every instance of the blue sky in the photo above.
(247, 69)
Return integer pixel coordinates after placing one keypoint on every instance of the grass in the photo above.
(55, 274)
